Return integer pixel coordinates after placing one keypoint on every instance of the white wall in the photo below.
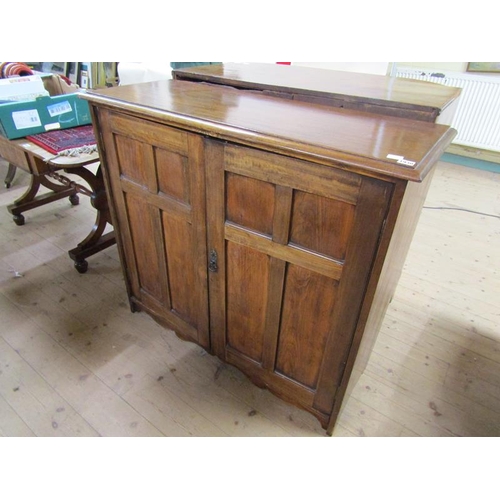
(138, 72)
(449, 66)
(378, 68)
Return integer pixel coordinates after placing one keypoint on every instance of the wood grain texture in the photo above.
(182, 276)
(216, 211)
(335, 137)
(131, 158)
(308, 305)
(142, 227)
(173, 178)
(382, 92)
(250, 203)
(14, 155)
(293, 174)
(310, 260)
(247, 274)
(332, 226)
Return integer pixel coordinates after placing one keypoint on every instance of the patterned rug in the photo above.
(56, 141)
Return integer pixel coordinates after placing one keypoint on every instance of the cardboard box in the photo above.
(57, 85)
(62, 109)
(23, 88)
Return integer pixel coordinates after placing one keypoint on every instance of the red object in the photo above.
(287, 63)
(9, 69)
(66, 79)
(56, 141)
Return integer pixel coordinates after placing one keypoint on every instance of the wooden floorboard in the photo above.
(74, 361)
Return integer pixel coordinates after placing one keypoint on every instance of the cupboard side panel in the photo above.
(406, 206)
(118, 207)
(100, 120)
(371, 211)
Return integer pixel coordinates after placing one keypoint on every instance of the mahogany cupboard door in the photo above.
(157, 182)
(291, 245)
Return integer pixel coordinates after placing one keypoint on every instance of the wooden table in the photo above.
(45, 168)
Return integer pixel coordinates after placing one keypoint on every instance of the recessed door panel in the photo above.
(247, 272)
(142, 233)
(321, 224)
(250, 203)
(172, 171)
(182, 277)
(307, 310)
(131, 159)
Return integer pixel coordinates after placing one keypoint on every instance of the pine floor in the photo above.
(74, 361)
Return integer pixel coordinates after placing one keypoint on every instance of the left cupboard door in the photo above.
(156, 181)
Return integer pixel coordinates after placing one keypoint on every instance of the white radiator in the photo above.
(477, 119)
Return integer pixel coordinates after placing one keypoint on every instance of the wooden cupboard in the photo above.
(269, 232)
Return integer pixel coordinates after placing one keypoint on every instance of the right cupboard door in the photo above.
(291, 246)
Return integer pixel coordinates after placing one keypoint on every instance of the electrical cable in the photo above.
(464, 210)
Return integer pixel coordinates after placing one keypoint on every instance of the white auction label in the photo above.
(52, 126)
(408, 163)
(59, 109)
(395, 157)
(26, 119)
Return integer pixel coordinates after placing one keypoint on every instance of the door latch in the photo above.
(212, 263)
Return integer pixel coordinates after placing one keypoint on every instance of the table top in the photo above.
(25, 145)
(355, 140)
(374, 89)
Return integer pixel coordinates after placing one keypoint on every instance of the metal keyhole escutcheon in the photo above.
(212, 263)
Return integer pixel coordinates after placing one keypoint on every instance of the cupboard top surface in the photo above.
(352, 140)
(374, 89)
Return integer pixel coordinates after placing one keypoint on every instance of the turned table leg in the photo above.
(10, 175)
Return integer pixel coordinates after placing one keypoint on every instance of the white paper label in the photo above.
(401, 160)
(26, 119)
(395, 157)
(59, 108)
(52, 126)
(408, 163)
